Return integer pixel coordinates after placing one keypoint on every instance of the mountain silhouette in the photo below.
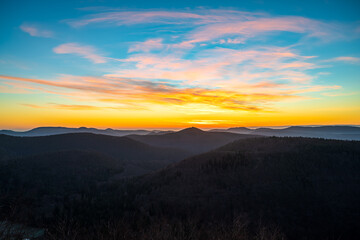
(191, 139)
(47, 131)
(128, 152)
(329, 132)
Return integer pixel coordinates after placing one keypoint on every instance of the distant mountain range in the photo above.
(46, 131)
(330, 132)
(135, 154)
(191, 139)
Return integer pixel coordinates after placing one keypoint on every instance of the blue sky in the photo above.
(232, 58)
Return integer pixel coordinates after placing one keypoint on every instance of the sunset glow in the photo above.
(178, 66)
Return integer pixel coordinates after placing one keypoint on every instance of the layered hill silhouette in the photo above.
(135, 157)
(191, 139)
(329, 132)
(47, 131)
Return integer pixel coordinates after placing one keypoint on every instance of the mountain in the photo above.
(191, 139)
(242, 130)
(46, 131)
(136, 158)
(157, 132)
(328, 132)
(251, 188)
(309, 188)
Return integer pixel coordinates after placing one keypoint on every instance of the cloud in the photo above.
(251, 28)
(84, 51)
(213, 60)
(36, 31)
(219, 67)
(144, 93)
(196, 17)
(213, 48)
(64, 106)
(344, 59)
(147, 46)
(211, 24)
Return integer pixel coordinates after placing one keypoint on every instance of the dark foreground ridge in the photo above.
(255, 188)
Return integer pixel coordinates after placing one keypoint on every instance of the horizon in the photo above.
(179, 129)
(161, 65)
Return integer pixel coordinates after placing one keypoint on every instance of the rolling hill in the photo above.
(136, 158)
(307, 187)
(304, 188)
(47, 131)
(192, 139)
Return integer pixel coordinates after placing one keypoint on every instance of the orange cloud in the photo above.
(123, 93)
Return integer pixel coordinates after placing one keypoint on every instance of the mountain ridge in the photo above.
(127, 151)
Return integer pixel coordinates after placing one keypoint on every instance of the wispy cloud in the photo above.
(64, 106)
(255, 27)
(195, 17)
(202, 60)
(210, 24)
(84, 51)
(148, 45)
(143, 93)
(344, 59)
(220, 67)
(35, 31)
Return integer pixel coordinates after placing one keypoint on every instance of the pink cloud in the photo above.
(216, 67)
(36, 31)
(166, 17)
(254, 27)
(147, 46)
(87, 52)
(345, 59)
(210, 24)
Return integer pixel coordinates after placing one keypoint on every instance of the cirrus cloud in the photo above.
(35, 31)
(84, 51)
(344, 59)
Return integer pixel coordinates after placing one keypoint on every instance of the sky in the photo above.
(176, 64)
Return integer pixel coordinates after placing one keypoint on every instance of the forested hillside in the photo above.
(259, 188)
